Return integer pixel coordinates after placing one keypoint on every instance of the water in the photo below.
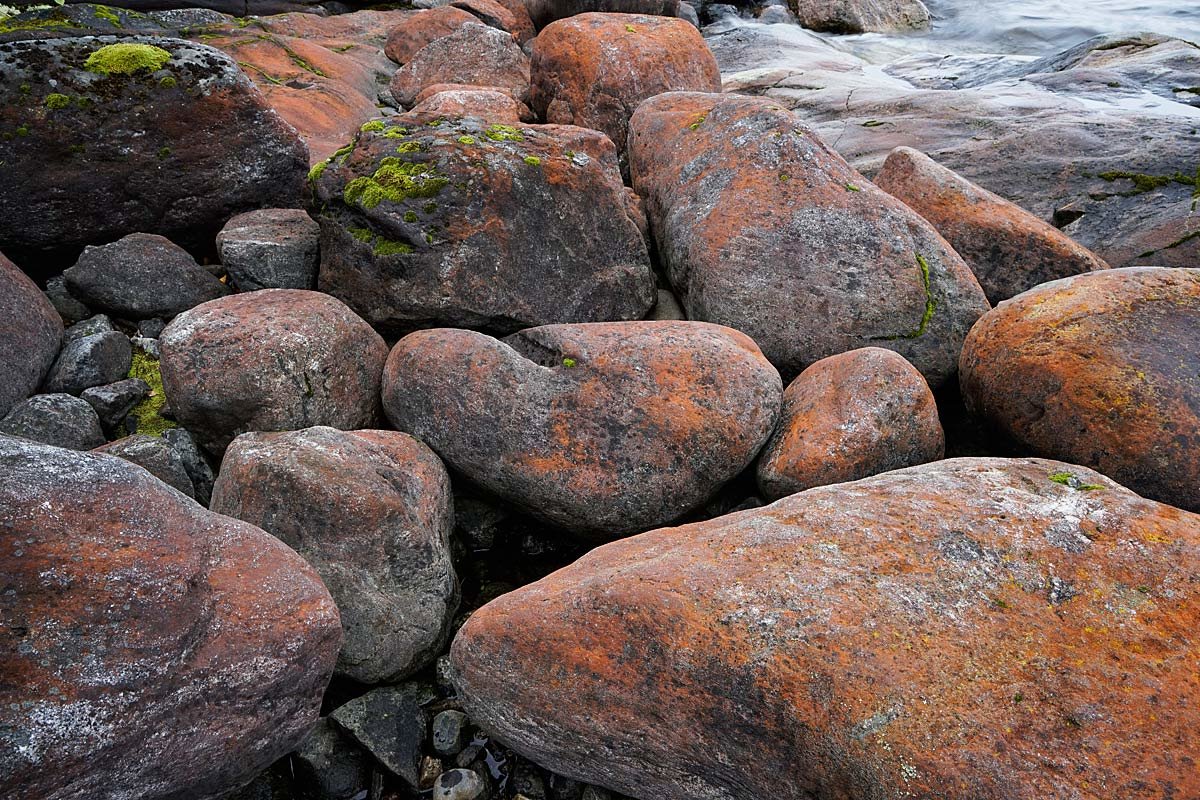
(1030, 27)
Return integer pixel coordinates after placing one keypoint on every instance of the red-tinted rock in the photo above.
(861, 16)
(593, 70)
(510, 16)
(1099, 369)
(152, 649)
(31, 331)
(421, 28)
(457, 100)
(371, 511)
(763, 228)
(427, 221)
(95, 155)
(474, 54)
(277, 359)
(847, 417)
(973, 629)
(543, 12)
(1007, 248)
(602, 429)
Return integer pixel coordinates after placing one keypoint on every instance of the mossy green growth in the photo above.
(168, 82)
(630, 29)
(698, 121)
(317, 170)
(106, 13)
(466, 140)
(850, 187)
(23, 131)
(1143, 183)
(126, 57)
(361, 234)
(14, 25)
(148, 413)
(504, 133)
(57, 101)
(395, 133)
(410, 216)
(411, 147)
(374, 125)
(163, 152)
(930, 307)
(533, 161)
(24, 88)
(429, 207)
(568, 362)
(872, 123)
(389, 247)
(1071, 481)
(395, 180)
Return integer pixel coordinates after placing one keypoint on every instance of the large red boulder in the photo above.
(474, 54)
(419, 29)
(152, 649)
(972, 629)
(31, 331)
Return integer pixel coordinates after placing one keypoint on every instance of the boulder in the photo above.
(456, 100)
(1098, 369)
(593, 70)
(155, 455)
(765, 229)
(56, 419)
(276, 359)
(417, 30)
(111, 137)
(272, 248)
(543, 12)
(1007, 248)
(32, 332)
(371, 511)
(510, 15)
(428, 221)
(154, 649)
(474, 54)
(88, 361)
(113, 401)
(847, 417)
(389, 723)
(861, 16)
(972, 629)
(601, 429)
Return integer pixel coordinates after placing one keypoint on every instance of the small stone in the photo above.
(774, 15)
(100, 323)
(147, 346)
(194, 461)
(89, 361)
(66, 304)
(445, 674)
(114, 401)
(449, 733)
(151, 328)
(329, 766)
(430, 769)
(459, 784)
(272, 248)
(154, 455)
(390, 723)
(471, 752)
(57, 419)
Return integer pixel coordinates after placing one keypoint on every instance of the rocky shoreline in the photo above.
(565, 400)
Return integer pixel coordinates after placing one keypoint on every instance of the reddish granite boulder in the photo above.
(847, 417)
(763, 228)
(972, 629)
(1098, 369)
(419, 29)
(429, 221)
(457, 100)
(593, 70)
(474, 54)
(510, 15)
(603, 429)
(543, 12)
(371, 511)
(1007, 248)
(861, 16)
(31, 331)
(152, 649)
(276, 359)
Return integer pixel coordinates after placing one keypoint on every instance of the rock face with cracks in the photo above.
(1098, 369)
(972, 629)
(763, 228)
(371, 511)
(153, 649)
(601, 429)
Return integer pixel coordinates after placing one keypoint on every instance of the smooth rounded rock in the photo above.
(601, 429)
(474, 54)
(371, 511)
(414, 32)
(155, 455)
(460, 784)
(457, 100)
(1098, 369)
(32, 332)
(847, 417)
(510, 15)
(861, 16)
(543, 12)
(55, 419)
(277, 359)
(90, 361)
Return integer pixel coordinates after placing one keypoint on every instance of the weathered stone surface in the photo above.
(511, 16)
(878, 639)
(32, 332)
(97, 323)
(602, 429)
(114, 401)
(474, 54)
(456, 100)
(272, 248)
(56, 419)
(765, 229)
(847, 417)
(1098, 369)
(329, 766)
(543, 12)
(141, 276)
(389, 723)
(104, 146)
(155, 455)
(460, 784)
(861, 16)
(88, 361)
(155, 649)
(593, 70)
(276, 359)
(195, 463)
(417, 30)
(371, 511)
(427, 221)
(1007, 248)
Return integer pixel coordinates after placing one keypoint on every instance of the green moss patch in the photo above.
(148, 413)
(1073, 482)
(395, 180)
(930, 307)
(57, 101)
(124, 58)
(504, 133)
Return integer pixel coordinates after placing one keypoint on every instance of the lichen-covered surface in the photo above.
(603, 429)
(31, 331)
(91, 153)
(430, 221)
(275, 359)
(1098, 369)
(458, 100)
(151, 648)
(847, 417)
(974, 629)
(414, 31)
(764, 228)
(371, 511)
(861, 16)
(543, 12)
(474, 54)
